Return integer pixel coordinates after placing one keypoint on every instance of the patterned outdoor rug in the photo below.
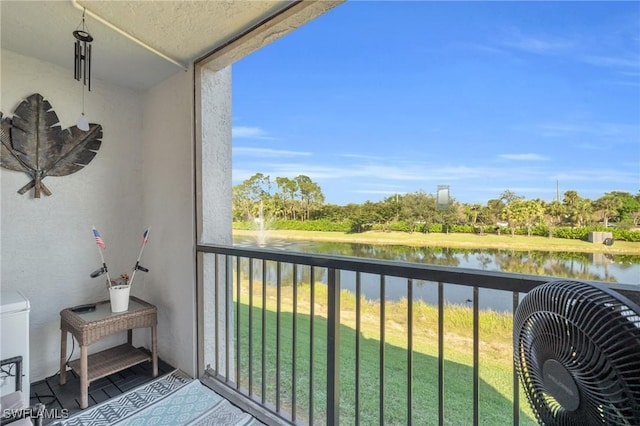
(174, 399)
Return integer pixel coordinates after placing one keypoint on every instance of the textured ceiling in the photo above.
(182, 30)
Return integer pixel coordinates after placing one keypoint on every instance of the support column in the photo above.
(213, 159)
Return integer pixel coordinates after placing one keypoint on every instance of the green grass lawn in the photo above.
(495, 360)
(496, 370)
(518, 242)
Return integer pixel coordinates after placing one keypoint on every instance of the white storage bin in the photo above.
(14, 325)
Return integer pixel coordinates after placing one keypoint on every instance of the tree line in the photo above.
(301, 199)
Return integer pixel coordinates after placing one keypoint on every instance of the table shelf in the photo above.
(90, 327)
(112, 360)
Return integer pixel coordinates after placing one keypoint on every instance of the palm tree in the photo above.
(578, 208)
(608, 206)
(555, 214)
(523, 213)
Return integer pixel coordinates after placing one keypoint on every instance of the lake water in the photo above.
(607, 267)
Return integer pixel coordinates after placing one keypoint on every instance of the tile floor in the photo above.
(57, 397)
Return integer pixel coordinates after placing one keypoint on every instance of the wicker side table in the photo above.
(89, 327)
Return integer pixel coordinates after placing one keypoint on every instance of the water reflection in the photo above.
(585, 266)
(580, 266)
(395, 287)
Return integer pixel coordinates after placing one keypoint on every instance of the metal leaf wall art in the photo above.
(33, 142)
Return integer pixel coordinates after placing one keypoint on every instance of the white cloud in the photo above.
(382, 186)
(573, 49)
(613, 61)
(523, 157)
(600, 175)
(560, 129)
(390, 172)
(468, 182)
(398, 172)
(250, 133)
(615, 132)
(594, 147)
(361, 156)
(542, 45)
(268, 152)
(378, 191)
(479, 47)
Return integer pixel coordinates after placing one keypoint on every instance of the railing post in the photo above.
(476, 356)
(228, 306)
(516, 382)
(217, 337)
(217, 319)
(440, 354)
(237, 346)
(312, 304)
(358, 328)
(333, 348)
(381, 352)
(409, 351)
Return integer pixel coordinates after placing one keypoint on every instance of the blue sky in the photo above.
(378, 98)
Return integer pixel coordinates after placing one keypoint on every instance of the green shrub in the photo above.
(626, 235)
(298, 225)
(571, 233)
(357, 227)
(327, 225)
(243, 225)
(311, 225)
(462, 229)
(436, 227)
(583, 233)
(541, 230)
(400, 226)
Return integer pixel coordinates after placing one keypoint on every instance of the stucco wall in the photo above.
(47, 248)
(214, 102)
(169, 209)
(142, 176)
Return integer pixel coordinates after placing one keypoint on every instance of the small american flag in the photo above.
(99, 240)
(145, 237)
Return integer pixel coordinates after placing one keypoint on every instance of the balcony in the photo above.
(311, 353)
(315, 339)
(291, 342)
(149, 171)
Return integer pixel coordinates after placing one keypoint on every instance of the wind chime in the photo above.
(82, 66)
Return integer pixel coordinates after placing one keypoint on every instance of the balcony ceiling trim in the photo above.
(126, 34)
(180, 30)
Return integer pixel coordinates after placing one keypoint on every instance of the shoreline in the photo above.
(466, 241)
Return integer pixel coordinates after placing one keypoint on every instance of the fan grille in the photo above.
(591, 336)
